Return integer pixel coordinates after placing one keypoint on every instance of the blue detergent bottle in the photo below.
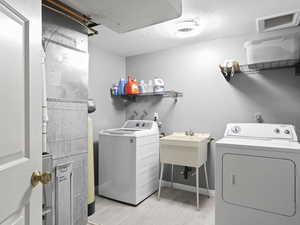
(121, 87)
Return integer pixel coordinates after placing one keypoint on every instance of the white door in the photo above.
(20, 111)
(260, 183)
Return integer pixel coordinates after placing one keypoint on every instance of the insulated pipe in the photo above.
(71, 18)
(73, 13)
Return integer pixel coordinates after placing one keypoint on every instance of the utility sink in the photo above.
(181, 149)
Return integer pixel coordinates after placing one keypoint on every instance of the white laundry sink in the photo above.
(184, 150)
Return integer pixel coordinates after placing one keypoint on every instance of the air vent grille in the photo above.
(278, 22)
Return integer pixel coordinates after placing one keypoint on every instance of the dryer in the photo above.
(257, 175)
(129, 161)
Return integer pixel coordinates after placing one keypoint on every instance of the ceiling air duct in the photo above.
(278, 22)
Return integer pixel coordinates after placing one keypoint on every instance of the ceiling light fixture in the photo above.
(187, 28)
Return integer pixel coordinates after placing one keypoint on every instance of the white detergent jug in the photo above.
(150, 86)
(159, 85)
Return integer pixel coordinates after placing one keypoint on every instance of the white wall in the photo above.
(104, 69)
(209, 101)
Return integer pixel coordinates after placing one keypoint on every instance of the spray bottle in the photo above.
(156, 119)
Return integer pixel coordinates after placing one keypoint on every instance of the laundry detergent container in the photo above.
(284, 47)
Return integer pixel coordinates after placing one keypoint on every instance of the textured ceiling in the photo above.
(218, 18)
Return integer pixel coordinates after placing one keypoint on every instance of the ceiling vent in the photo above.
(278, 22)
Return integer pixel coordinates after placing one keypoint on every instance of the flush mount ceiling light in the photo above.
(187, 28)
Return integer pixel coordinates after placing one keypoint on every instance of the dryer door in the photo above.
(260, 183)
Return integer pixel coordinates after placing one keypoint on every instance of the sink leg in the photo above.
(172, 175)
(206, 179)
(197, 186)
(160, 180)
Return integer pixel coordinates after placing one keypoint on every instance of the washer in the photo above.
(129, 161)
(257, 175)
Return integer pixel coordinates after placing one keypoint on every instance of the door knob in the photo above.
(37, 176)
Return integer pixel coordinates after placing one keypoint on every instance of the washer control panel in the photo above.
(139, 124)
(262, 131)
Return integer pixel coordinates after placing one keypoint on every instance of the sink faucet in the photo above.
(190, 132)
(145, 113)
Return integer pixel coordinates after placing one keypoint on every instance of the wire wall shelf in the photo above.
(256, 67)
(164, 94)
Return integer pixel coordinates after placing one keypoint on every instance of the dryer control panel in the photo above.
(261, 131)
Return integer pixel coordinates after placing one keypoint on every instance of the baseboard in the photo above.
(189, 188)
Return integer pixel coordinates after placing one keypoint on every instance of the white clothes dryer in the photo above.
(258, 175)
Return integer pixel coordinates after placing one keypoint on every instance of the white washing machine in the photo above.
(129, 161)
(258, 175)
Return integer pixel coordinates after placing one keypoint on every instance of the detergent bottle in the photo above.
(150, 86)
(132, 87)
(121, 87)
(142, 87)
(159, 85)
(115, 89)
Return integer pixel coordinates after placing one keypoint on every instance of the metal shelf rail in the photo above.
(165, 94)
(254, 68)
